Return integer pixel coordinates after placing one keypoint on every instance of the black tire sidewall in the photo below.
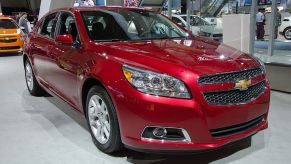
(114, 142)
(285, 34)
(33, 87)
(36, 88)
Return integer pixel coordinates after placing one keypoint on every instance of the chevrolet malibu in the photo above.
(145, 83)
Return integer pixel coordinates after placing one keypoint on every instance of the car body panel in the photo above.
(63, 70)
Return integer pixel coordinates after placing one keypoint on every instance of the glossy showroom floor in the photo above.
(46, 131)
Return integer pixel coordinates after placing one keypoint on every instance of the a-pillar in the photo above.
(47, 5)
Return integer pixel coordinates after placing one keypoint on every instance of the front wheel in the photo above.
(102, 120)
(287, 33)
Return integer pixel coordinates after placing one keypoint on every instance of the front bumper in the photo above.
(137, 111)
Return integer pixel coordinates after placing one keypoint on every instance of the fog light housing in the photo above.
(165, 134)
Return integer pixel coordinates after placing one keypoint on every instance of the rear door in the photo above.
(41, 43)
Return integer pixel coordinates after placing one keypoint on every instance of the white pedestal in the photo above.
(236, 31)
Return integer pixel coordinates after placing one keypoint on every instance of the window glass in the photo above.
(67, 26)
(116, 25)
(49, 26)
(65, 21)
(7, 24)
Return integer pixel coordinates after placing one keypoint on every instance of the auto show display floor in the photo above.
(46, 130)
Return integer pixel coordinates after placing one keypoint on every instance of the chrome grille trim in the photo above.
(226, 77)
(235, 96)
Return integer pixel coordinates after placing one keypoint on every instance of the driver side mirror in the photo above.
(64, 39)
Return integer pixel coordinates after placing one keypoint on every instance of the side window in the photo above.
(49, 26)
(67, 26)
(179, 21)
(103, 27)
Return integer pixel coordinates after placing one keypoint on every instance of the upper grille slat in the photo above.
(230, 76)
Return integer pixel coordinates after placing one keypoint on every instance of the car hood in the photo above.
(9, 31)
(199, 55)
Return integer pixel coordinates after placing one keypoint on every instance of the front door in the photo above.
(65, 67)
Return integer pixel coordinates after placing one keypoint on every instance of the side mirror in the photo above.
(64, 39)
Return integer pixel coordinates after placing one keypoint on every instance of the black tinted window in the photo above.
(7, 24)
(67, 26)
(49, 26)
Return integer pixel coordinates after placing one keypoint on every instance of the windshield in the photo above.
(7, 24)
(123, 25)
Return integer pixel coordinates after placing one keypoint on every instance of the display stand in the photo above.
(236, 31)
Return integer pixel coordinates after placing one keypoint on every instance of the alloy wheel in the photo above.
(99, 119)
(29, 76)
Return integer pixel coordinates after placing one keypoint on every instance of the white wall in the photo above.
(236, 31)
(44, 7)
(47, 5)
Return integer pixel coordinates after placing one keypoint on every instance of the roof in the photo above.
(97, 8)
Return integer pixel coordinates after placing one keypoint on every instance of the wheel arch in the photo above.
(25, 57)
(89, 83)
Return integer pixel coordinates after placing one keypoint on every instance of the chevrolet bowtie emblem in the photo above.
(243, 84)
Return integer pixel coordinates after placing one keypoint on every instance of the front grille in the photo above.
(8, 40)
(9, 48)
(235, 96)
(235, 129)
(230, 76)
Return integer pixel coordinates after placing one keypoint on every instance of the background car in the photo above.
(285, 28)
(200, 26)
(11, 35)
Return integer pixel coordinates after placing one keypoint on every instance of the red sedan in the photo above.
(144, 82)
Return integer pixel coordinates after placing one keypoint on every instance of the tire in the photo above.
(287, 33)
(102, 120)
(32, 85)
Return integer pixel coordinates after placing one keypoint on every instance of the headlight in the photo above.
(154, 83)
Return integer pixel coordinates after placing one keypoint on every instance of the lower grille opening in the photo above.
(235, 129)
(9, 48)
(8, 41)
